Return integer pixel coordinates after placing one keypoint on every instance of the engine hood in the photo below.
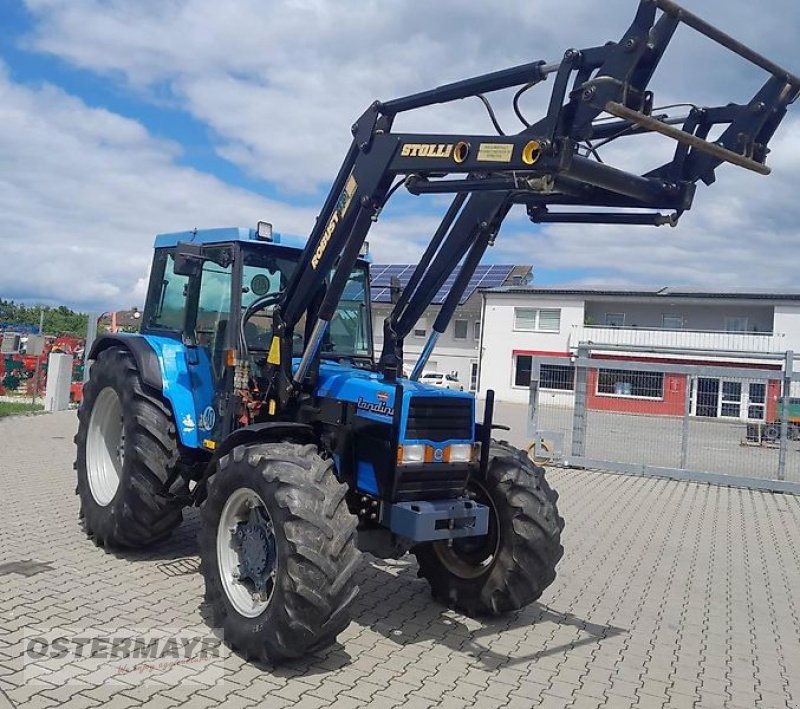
(374, 398)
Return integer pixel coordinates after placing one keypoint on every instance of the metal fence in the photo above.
(735, 424)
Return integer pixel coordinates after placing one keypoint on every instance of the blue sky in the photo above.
(124, 118)
(162, 118)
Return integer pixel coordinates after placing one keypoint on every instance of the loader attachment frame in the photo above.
(599, 95)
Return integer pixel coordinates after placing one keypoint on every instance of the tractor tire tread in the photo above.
(530, 546)
(314, 594)
(141, 512)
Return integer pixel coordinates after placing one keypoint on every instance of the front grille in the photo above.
(434, 481)
(439, 418)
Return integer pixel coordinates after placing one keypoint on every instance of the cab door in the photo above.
(208, 335)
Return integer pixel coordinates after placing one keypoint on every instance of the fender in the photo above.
(146, 359)
(268, 432)
(163, 365)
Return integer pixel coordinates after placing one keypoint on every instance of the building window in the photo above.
(473, 376)
(551, 376)
(476, 330)
(736, 324)
(758, 398)
(731, 399)
(672, 322)
(615, 319)
(460, 329)
(420, 332)
(621, 382)
(537, 319)
(557, 376)
(522, 370)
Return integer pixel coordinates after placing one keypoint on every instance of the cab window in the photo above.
(350, 331)
(167, 298)
(262, 275)
(214, 301)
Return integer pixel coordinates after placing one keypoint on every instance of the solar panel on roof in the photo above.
(485, 276)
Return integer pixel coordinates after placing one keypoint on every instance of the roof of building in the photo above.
(126, 319)
(485, 277)
(665, 292)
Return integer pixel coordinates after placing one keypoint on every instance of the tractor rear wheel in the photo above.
(126, 455)
(516, 561)
(277, 549)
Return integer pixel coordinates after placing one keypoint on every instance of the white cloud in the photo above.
(742, 232)
(83, 191)
(279, 84)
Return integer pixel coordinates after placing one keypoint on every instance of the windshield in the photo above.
(262, 274)
(349, 334)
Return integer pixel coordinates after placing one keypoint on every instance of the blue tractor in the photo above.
(252, 389)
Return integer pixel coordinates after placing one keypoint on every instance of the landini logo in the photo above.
(380, 407)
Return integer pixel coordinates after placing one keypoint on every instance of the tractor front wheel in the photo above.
(277, 549)
(126, 455)
(516, 561)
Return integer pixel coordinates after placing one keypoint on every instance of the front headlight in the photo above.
(413, 453)
(459, 453)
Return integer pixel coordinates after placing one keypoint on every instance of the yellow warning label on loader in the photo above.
(274, 356)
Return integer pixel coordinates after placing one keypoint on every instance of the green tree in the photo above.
(57, 321)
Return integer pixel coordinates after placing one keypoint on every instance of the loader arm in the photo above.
(599, 95)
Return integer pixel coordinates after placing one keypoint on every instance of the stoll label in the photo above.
(427, 150)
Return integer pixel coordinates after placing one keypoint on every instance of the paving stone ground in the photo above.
(670, 594)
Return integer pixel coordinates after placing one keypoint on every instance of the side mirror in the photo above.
(188, 259)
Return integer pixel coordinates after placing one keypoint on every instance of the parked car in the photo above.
(446, 381)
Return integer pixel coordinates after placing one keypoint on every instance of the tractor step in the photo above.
(426, 521)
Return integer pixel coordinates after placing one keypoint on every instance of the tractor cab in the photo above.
(212, 293)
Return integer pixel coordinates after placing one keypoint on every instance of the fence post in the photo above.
(533, 400)
(579, 414)
(687, 411)
(91, 335)
(38, 357)
(786, 392)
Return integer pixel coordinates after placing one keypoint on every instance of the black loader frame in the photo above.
(550, 163)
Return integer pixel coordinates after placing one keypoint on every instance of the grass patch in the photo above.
(13, 408)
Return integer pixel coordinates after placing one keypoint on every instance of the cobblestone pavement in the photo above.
(670, 594)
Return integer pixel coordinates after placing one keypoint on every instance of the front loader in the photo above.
(253, 390)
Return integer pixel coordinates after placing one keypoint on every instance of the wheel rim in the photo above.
(471, 557)
(105, 446)
(247, 552)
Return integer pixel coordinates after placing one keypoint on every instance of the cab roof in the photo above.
(222, 235)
